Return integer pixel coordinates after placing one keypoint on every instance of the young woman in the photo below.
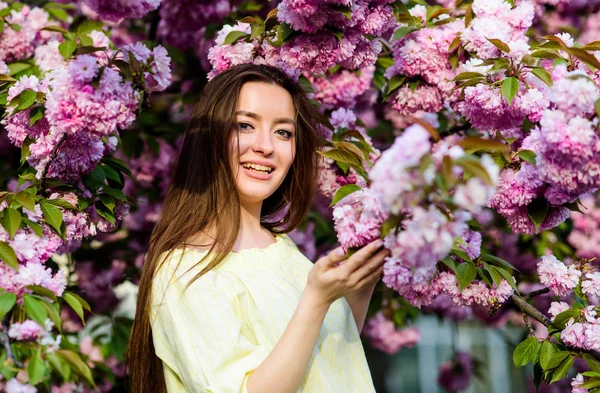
(226, 302)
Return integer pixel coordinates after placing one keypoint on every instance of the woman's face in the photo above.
(267, 140)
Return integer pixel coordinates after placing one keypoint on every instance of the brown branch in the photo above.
(529, 310)
(539, 292)
(52, 157)
(6, 341)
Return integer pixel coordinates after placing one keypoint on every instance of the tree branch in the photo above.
(6, 341)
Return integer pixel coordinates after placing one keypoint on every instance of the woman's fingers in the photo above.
(373, 264)
(334, 257)
(359, 257)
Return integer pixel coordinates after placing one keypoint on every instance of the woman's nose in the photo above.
(262, 142)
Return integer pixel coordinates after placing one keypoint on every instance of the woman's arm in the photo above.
(282, 371)
(359, 304)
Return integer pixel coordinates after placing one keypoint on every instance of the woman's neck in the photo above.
(251, 233)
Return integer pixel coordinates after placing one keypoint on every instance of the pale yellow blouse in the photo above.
(213, 335)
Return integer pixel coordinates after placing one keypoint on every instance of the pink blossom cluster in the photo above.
(426, 236)
(423, 55)
(185, 32)
(558, 277)
(30, 330)
(585, 334)
(150, 166)
(157, 60)
(516, 190)
(343, 88)
(382, 333)
(585, 235)
(395, 176)
(318, 49)
(488, 111)
(496, 19)
(20, 45)
(116, 10)
(422, 285)
(81, 120)
(31, 274)
(14, 386)
(357, 218)
(576, 384)
(455, 375)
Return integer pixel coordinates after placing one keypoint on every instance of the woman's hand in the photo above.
(329, 280)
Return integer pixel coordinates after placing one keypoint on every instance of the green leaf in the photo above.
(61, 203)
(112, 174)
(494, 273)
(306, 84)
(88, 26)
(475, 168)
(58, 365)
(499, 44)
(528, 156)
(562, 370)
(547, 351)
(36, 369)
(95, 179)
(468, 15)
(7, 301)
(465, 273)
(35, 309)
(591, 383)
(52, 214)
(66, 48)
(83, 303)
(403, 31)
(342, 156)
(344, 191)
(509, 278)
(11, 221)
(15, 68)
(284, 31)
(7, 254)
(234, 36)
(53, 313)
(42, 291)
(75, 304)
(59, 14)
(56, 29)
(26, 200)
(36, 114)
(585, 56)
(510, 87)
(473, 144)
(468, 75)
(26, 99)
(537, 211)
(35, 227)
(115, 193)
(526, 351)
(78, 365)
(494, 260)
(543, 75)
(395, 82)
(108, 201)
(563, 318)
(545, 54)
(591, 362)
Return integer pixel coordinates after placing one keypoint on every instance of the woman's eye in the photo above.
(287, 133)
(244, 126)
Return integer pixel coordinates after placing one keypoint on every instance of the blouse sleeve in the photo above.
(202, 334)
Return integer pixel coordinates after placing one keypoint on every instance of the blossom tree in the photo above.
(464, 134)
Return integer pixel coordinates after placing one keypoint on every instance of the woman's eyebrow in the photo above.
(258, 117)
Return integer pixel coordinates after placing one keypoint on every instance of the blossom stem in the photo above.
(52, 157)
(6, 341)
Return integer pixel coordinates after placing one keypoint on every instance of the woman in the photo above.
(226, 302)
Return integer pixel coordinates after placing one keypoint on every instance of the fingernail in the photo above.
(340, 251)
(379, 243)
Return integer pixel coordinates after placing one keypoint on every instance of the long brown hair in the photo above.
(203, 196)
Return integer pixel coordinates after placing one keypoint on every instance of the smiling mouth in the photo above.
(258, 168)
